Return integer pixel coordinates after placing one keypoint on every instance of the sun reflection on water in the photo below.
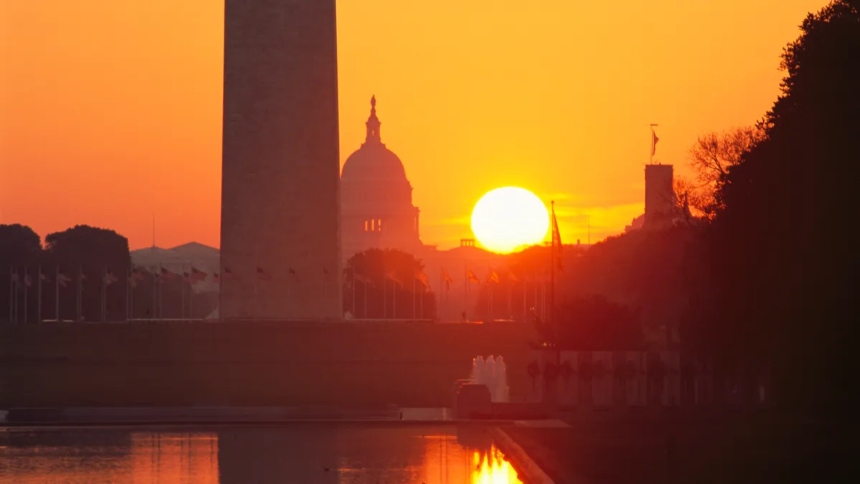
(492, 468)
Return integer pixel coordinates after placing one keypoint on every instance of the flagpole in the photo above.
(129, 296)
(353, 294)
(160, 277)
(191, 295)
(78, 295)
(510, 304)
(384, 298)
(155, 277)
(39, 298)
(653, 144)
(182, 295)
(103, 290)
(11, 294)
(413, 297)
(57, 292)
(26, 290)
(525, 299)
(490, 292)
(552, 272)
(15, 297)
(465, 292)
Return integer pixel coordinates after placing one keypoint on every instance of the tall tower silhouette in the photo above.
(280, 210)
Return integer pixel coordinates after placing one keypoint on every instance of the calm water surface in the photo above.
(304, 454)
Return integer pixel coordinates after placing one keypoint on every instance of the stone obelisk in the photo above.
(280, 209)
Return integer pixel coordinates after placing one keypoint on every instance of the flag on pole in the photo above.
(423, 279)
(447, 280)
(654, 140)
(216, 278)
(15, 278)
(390, 275)
(186, 277)
(44, 277)
(492, 277)
(197, 275)
(166, 274)
(263, 275)
(556, 241)
(292, 271)
(81, 276)
(362, 279)
(472, 277)
(228, 274)
(63, 279)
(27, 280)
(513, 277)
(135, 276)
(110, 278)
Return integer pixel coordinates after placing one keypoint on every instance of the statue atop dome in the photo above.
(373, 124)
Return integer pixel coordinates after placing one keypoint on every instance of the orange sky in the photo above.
(111, 110)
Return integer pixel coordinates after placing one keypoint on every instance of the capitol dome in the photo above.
(376, 197)
(373, 161)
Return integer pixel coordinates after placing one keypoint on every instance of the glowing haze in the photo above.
(111, 111)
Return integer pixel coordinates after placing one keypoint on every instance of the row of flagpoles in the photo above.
(194, 276)
(420, 285)
(24, 282)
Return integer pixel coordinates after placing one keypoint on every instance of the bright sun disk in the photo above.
(509, 218)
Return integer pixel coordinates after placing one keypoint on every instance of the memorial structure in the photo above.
(280, 208)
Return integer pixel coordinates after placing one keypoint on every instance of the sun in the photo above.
(509, 218)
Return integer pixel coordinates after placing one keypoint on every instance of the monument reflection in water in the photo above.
(300, 454)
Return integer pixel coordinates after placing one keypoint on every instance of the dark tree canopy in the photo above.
(19, 245)
(91, 248)
(386, 285)
(20, 248)
(786, 231)
(593, 323)
(91, 251)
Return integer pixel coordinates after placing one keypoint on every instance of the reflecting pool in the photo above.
(295, 453)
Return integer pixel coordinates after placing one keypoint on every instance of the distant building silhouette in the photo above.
(181, 259)
(660, 199)
(662, 206)
(376, 198)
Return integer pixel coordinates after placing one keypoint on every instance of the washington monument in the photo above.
(280, 209)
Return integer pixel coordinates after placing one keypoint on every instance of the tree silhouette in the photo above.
(20, 248)
(91, 251)
(711, 157)
(788, 212)
(386, 285)
(593, 323)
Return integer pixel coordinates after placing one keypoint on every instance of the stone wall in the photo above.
(251, 363)
(636, 379)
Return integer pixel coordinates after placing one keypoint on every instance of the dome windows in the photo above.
(373, 225)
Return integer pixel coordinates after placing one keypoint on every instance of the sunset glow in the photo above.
(111, 111)
(509, 218)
